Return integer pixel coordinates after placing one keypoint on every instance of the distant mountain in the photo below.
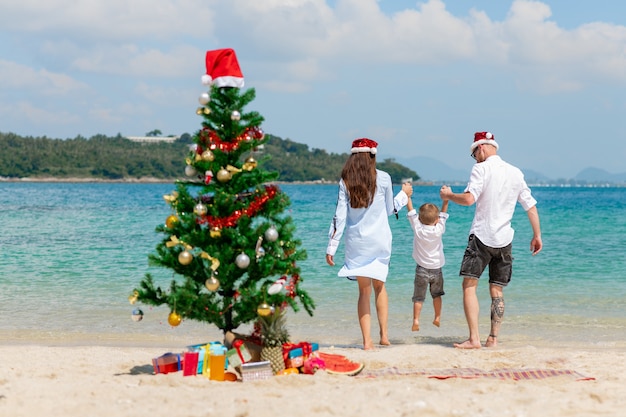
(430, 169)
(592, 174)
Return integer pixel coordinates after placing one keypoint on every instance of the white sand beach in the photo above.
(52, 379)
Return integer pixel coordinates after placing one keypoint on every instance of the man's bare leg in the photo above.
(472, 309)
(382, 309)
(363, 307)
(497, 314)
(437, 308)
(417, 310)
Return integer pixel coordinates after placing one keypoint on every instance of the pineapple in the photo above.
(273, 334)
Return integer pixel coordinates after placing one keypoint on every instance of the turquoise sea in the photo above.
(73, 252)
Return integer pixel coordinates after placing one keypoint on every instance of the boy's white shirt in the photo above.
(427, 241)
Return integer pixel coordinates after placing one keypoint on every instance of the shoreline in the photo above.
(152, 180)
(146, 180)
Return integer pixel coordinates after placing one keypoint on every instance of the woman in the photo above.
(365, 201)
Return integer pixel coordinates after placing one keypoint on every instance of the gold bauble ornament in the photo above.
(133, 297)
(264, 310)
(223, 175)
(174, 319)
(185, 257)
(215, 232)
(212, 284)
(171, 221)
(208, 155)
(250, 164)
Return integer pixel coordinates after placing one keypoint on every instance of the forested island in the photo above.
(106, 158)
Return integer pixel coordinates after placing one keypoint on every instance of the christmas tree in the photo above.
(228, 241)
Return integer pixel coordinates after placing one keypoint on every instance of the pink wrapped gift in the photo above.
(169, 362)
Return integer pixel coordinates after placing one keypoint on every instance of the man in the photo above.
(495, 186)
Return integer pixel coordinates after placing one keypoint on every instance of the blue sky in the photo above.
(546, 77)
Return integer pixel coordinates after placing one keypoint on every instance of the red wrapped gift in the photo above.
(295, 354)
(190, 363)
(169, 362)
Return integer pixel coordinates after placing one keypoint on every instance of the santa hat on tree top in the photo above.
(222, 69)
(364, 145)
(483, 138)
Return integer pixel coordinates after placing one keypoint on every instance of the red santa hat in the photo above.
(483, 138)
(364, 145)
(222, 69)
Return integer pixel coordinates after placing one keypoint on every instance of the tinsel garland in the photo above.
(212, 140)
(230, 221)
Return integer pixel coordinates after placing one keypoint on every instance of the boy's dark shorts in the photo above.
(424, 278)
(478, 255)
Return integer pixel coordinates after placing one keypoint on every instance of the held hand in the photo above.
(408, 189)
(536, 245)
(329, 260)
(445, 192)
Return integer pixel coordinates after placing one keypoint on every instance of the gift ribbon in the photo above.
(237, 344)
(306, 347)
(215, 263)
(175, 241)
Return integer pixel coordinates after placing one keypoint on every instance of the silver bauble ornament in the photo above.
(271, 234)
(137, 314)
(204, 98)
(235, 116)
(242, 260)
(200, 209)
(190, 171)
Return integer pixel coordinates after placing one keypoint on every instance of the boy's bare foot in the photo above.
(385, 342)
(437, 322)
(467, 345)
(416, 326)
(368, 346)
(492, 341)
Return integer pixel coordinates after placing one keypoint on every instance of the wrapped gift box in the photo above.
(297, 354)
(169, 362)
(190, 363)
(203, 350)
(238, 355)
(254, 371)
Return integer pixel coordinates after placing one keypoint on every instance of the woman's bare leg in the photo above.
(363, 308)
(382, 309)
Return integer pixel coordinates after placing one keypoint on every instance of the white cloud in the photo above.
(28, 113)
(41, 81)
(86, 20)
(137, 61)
(306, 40)
(324, 71)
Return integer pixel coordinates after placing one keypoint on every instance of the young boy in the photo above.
(428, 229)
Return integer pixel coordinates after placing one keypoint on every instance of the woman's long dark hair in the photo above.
(359, 175)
